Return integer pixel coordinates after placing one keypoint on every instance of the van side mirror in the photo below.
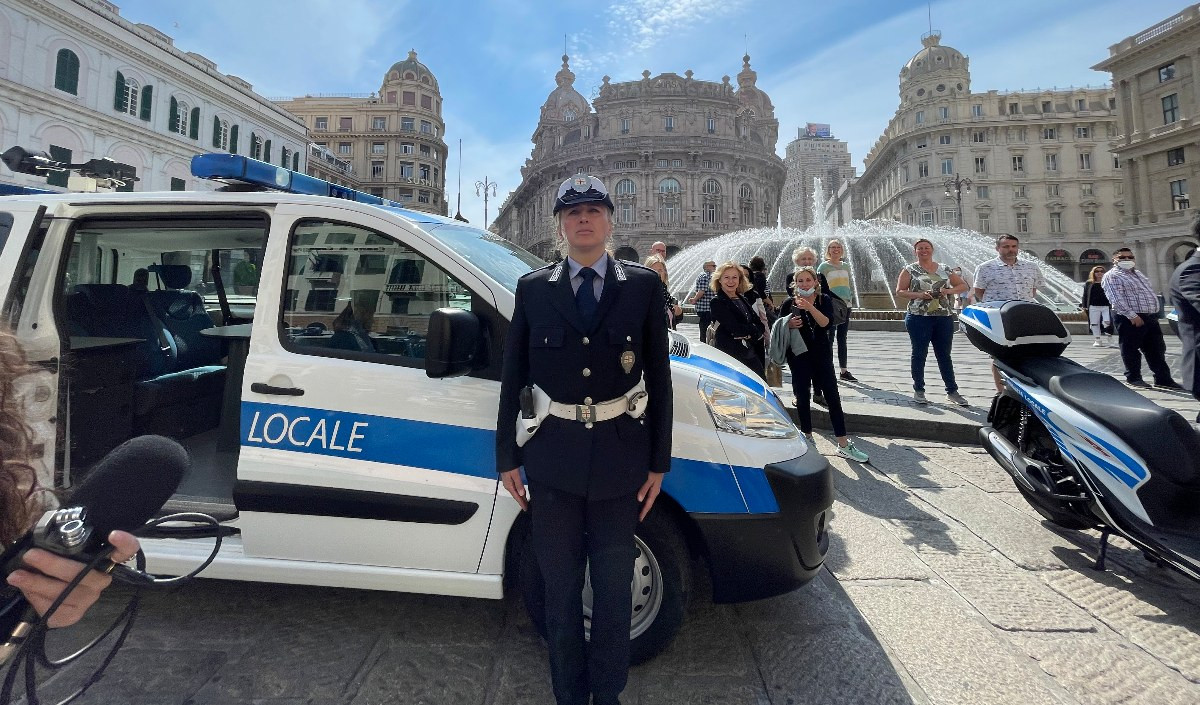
(452, 343)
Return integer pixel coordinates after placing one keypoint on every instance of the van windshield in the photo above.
(500, 259)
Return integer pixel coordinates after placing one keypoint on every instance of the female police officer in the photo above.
(586, 366)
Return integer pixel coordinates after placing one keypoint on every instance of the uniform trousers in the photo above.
(1136, 340)
(571, 533)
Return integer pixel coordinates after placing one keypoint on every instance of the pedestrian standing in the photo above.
(586, 333)
(1135, 309)
(702, 297)
(740, 331)
(674, 310)
(758, 283)
(930, 287)
(807, 257)
(1095, 305)
(1007, 278)
(659, 248)
(836, 272)
(1185, 296)
(809, 311)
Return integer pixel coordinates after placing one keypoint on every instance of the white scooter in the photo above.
(1083, 449)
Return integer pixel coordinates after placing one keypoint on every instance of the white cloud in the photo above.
(642, 24)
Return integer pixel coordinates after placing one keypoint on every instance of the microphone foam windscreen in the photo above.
(130, 484)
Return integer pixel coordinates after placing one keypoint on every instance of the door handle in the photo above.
(280, 391)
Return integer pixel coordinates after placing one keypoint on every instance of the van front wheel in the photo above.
(661, 574)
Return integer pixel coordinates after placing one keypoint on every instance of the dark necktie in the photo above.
(585, 296)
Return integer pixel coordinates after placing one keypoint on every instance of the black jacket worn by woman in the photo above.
(815, 337)
(1093, 295)
(737, 321)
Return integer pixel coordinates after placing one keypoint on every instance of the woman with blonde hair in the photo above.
(44, 575)
(1099, 311)
(674, 310)
(740, 331)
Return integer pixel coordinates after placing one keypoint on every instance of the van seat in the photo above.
(169, 398)
(182, 313)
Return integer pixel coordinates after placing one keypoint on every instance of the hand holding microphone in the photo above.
(49, 575)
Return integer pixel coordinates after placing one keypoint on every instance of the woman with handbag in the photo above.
(674, 310)
(837, 273)
(809, 311)
(740, 331)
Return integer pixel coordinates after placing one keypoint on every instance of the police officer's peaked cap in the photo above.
(582, 189)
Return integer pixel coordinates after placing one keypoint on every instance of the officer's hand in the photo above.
(649, 492)
(516, 488)
(1137, 321)
(49, 574)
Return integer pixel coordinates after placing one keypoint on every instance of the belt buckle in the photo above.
(585, 413)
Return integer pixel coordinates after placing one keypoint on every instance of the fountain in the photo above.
(875, 249)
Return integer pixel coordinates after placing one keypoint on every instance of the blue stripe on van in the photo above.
(698, 486)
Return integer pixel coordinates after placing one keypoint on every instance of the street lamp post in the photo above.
(485, 186)
(956, 187)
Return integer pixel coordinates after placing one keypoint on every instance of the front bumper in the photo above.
(753, 556)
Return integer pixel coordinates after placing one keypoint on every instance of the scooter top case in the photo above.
(1012, 330)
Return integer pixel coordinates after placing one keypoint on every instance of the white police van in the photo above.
(332, 365)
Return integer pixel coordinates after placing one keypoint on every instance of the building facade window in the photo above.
(625, 213)
(1014, 108)
(406, 170)
(1175, 156)
(424, 172)
(982, 192)
(1170, 106)
(980, 165)
(985, 222)
(947, 167)
(1085, 161)
(626, 123)
(978, 136)
(408, 124)
(1049, 133)
(708, 212)
(668, 123)
(66, 72)
(427, 102)
(255, 146)
(977, 110)
(1052, 190)
(377, 170)
(220, 133)
(1051, 162)
(1166, 73)
(922, 169)
(1018, 164)
(427, 128)
(345, 124)
(943, 113)
(712, 125)
(1056, 222)
(1090, 223)
(407, 148)
(1085, 189)
(378, 148)
(712, 187)
(662, 163)
(1047, 106)
(345, 148)
(943, 139)
(379, 123)
(668, 185)
(1019, 191)
(1083, 133)
(626, 187)
(1081, 104)
(1022, 222)
(321, 124)
(920, 117)
(1179, 195)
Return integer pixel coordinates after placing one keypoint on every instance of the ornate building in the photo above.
(391, 140)
(806, 157)
(1158, 102)
(1039, 161)
(79, 81)
(685, 160)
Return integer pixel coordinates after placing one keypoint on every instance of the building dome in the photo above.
(933, 59)
(412, 70)
(564, 102)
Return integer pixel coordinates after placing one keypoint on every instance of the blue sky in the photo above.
(832, 62)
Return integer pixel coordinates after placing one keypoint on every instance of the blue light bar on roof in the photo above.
(14, 190)
(235, 168)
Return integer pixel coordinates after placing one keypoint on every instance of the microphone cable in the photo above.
(32, 650)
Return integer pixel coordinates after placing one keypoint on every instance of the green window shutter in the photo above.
(72, 73)
(66, 72)
(119, 103)
(173, 116)
(147, 102)
(254, 153)
(59, 178)
(233, 139)
(296, 161)
(267, 152)
(216, 132)
(195, 126)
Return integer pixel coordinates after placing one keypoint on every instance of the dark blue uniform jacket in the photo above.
(549, 345)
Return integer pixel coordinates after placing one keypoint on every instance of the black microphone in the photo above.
(121, 492)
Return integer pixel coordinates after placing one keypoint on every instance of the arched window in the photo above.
(286, 157)
(712, 188)
(220, 133)
(746, 192)
(626, 187)
(255, 146)
(668, 185)
(127, 94)
(66, 72)
(569, 114)
(180, 117)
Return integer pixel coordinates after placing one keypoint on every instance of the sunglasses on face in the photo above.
(1124, 258)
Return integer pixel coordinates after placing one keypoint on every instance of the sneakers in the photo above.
(1169, 384)
(810, 438)
(956, 398)
(1097, 343)
(1137, 383)
(853, 453)
(919, 397)
(846, 376)
(819, 399)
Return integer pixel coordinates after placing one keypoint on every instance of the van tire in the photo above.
(664, 579)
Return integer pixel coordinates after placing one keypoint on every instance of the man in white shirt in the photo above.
(1007, 278)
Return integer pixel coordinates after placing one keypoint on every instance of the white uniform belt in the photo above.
(590, 413)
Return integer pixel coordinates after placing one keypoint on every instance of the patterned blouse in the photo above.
(920, 280)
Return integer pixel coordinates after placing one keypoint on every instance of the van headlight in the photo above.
(736, 410)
